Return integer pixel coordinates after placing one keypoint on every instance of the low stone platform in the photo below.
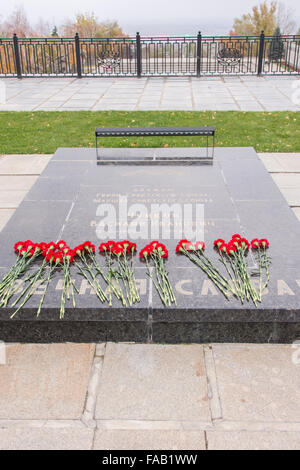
(238, 196)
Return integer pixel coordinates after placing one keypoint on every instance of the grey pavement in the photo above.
(241, 93)
(145, 396)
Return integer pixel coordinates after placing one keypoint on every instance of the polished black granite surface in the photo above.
(68, 201)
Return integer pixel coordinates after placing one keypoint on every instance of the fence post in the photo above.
(199, 40)
(78, 59)
(138, 55)
(261, 53)
(17, 56)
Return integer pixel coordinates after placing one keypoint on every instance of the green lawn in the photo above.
(43, 132)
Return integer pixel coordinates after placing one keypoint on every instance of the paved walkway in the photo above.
(244, 93)
(138, 396)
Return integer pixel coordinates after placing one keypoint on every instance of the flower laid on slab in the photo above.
(157, 252)
(260, 248)
(119, 261)
(233, 256)
(195, 252)
(118, 276)
(27, 251)
(85, 252)
(55, 255)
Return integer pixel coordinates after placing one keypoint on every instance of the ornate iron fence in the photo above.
(150, 56)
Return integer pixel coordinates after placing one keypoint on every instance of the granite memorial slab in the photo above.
(234, 194)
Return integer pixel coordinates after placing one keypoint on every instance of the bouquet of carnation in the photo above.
(157, 253)
(195, 252)
(121, 253)
(86, 254)
(27, 252)
(55, 255)
(233, 256)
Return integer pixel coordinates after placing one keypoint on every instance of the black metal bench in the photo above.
(208, 131)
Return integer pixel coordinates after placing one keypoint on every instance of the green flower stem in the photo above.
(162, 297)
(218, 283)
(30, 289)
(95, 280)
(234, 267)
(51, 270)
(160, 280)
(127, 273)
(222, 279)
(250, 291)
(10, 281)
(107, 279)
(167, 281)
(124, 279)
(19, 268)
(113, 274)
(235, 289)
(266, 265)
(221, 283)
(101, 297)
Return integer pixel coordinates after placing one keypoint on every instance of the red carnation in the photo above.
(18, 246)
(89, 247)
(110, 245)
(43, 246)
(243, 242)
(78, 249)
(132, 247)
(231, 249)
(118, 251)
(50, 256)
(264, 243)
(102, 247)
(255, 243)
(179, 248)
(223, 248)
(146, 251)
(200, 246)
(61, 244)
(219, 242)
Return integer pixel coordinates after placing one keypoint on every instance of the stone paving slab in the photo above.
(45, 381)
(11, 199)
(204, 93)
(258, 382)
(5, 215)
(152, 382)
(46, 438)
(23, 164)
(292, 195)
(296, 210)
(17, 183)
(149, 440)
(244, 440)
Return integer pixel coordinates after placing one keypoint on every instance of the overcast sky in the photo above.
(141, 11)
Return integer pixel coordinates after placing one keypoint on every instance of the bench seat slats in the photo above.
(153, 131)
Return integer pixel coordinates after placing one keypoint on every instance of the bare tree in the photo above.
(17, 22)
(285, 18)
(42, 28)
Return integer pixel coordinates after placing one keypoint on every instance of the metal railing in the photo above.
(150, 56)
